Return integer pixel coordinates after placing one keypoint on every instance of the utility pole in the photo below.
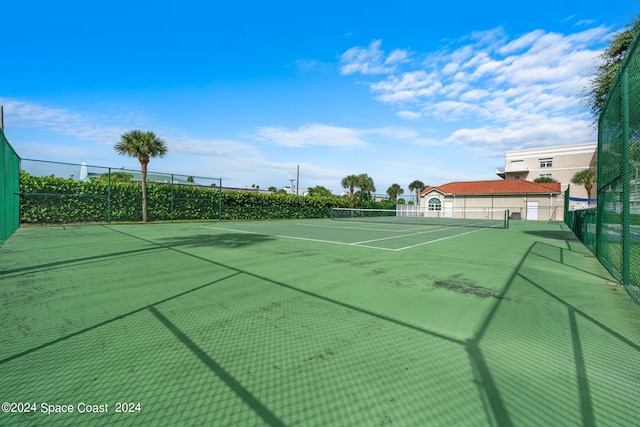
(1, 118)
(298, 180)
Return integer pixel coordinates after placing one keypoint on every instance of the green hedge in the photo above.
(51, 200)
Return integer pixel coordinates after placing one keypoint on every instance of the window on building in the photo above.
(434, 204)
(546, 175)
(546, 163)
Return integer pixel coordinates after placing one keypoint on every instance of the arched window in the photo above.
(434, 204)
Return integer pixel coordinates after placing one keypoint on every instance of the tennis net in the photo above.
(482, 218)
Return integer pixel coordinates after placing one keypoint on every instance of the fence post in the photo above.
(626, 174)
(220, 201)
(109, 196)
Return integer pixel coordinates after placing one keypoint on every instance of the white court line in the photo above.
(358, 244)
(368, 229)
(404, 235)
(298, 238)
(438, 240)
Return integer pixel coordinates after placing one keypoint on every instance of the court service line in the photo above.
(359, 244)
(298, 238)
(437, 240)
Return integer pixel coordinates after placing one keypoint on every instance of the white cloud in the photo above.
(312, 135)
(371, 59)
(212, 147)
(453, 109)
(306, 65)
(521, 90)
(104, 128)
(557, 130)
(474, 95)
(408, 87)
(397, 56)
(522, 42)
(408, 115)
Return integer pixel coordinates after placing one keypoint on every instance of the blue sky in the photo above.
(249, 90)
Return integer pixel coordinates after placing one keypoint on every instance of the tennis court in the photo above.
(313, 323)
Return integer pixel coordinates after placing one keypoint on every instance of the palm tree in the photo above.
(365, 182)
(394, 191)
(586, 177)
(350, 182)
(417, 186)
(142, 145)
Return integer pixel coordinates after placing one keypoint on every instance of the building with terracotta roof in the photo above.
(524, 199)
(558, 162)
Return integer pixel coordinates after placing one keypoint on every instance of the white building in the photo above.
(524, 199)
(559, 162)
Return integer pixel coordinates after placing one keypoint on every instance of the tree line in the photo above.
(366, 185)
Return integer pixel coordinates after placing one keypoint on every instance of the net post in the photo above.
(109, 196)
(626, 181)
(506, 219)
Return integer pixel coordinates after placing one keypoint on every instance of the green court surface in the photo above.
(313, 323)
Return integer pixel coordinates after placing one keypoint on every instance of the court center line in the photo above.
(438, 240)
(404, 235)
(299, 238)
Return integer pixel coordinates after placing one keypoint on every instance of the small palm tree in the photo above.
(365, 182)
(586, 177)
(393, 191)
(350, 182)
(142, 145)
(417, 186)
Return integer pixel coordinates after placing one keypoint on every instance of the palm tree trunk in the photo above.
(144, 161)
(144, 194)
(588, 187)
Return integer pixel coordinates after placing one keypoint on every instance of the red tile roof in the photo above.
(500, 186)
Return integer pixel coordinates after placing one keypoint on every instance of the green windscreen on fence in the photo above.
(583, 222)
(68, 193)
(618, 226)
(10, 187)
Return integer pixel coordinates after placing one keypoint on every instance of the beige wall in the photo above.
(549, 207)
(567, 160)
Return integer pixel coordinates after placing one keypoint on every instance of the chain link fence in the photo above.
(68, 193)
(9, 186)
(618, 212)
(63, 193)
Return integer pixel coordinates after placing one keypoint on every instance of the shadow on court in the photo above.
(554, 356)
(554, 234)
(220, 240)
(201, 333)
